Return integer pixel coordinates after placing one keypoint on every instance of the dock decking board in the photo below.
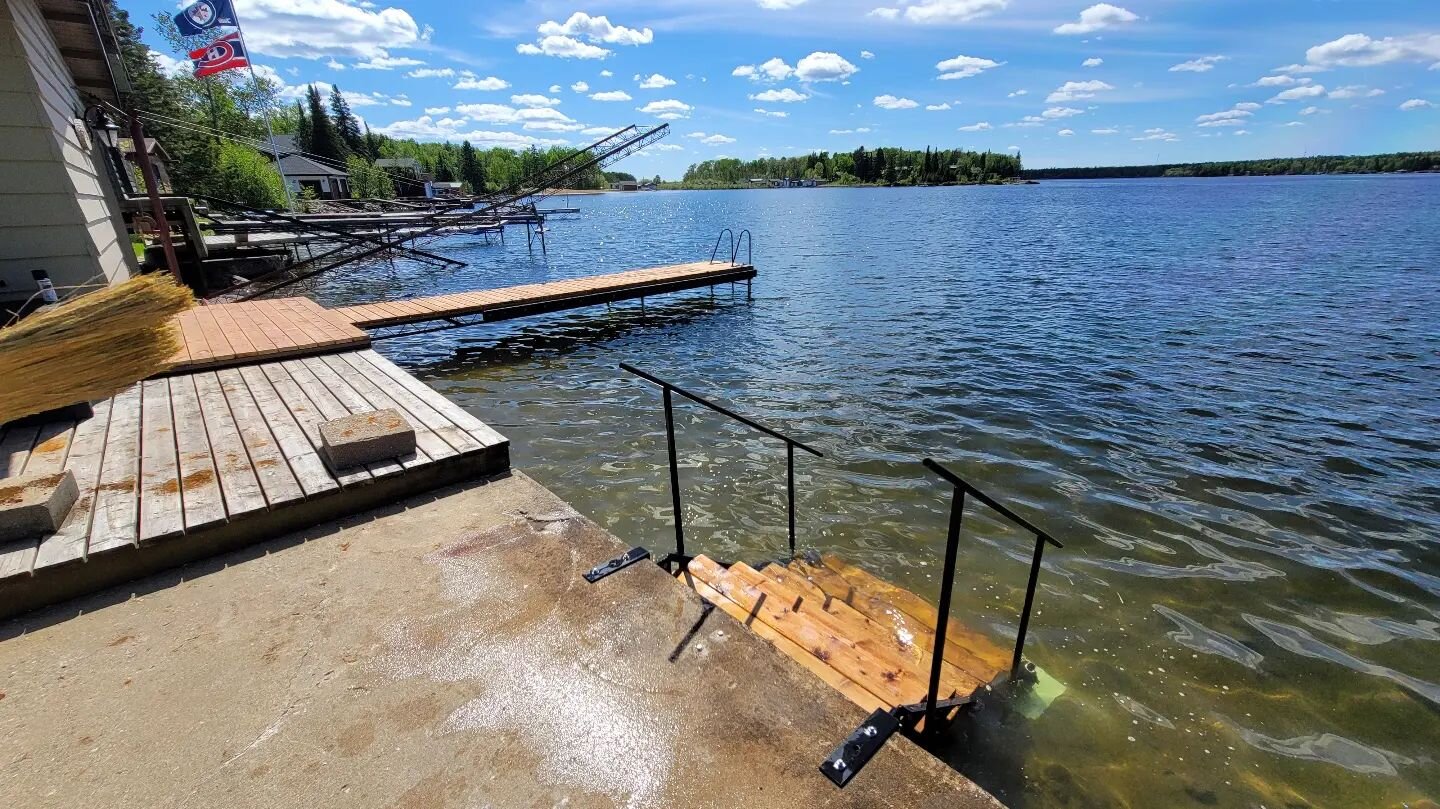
(185, 455)
(228, 334)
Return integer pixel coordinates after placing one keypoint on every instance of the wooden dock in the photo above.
(868, 639)
(228, 334)
(517, 301)
(179, 467)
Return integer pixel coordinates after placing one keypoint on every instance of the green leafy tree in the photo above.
(243, 175)
(367, 181)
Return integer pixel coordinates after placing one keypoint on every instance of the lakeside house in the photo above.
(159, 163)
(59, 214)
(408, 176)
(301, 172)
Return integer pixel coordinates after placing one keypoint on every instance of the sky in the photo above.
(1064, 82)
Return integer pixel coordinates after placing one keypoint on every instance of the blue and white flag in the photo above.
(203, 15)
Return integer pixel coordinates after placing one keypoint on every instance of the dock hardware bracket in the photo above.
(847, 760)
(617, 564)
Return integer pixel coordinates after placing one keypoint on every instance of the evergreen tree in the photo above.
(302, 128)
(325, 141)
(372, 143)
(345, 123)
(471, 170)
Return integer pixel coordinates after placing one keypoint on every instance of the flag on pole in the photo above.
(225, 53)
(203, 15)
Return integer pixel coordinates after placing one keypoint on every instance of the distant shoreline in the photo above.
(1393, 163)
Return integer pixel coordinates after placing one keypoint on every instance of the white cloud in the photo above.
(1017, 93)
(1295, 123)
(171, 66)
(1012, 148)
(778, 5)
(563, 48)
(1096, 18)
(938, 107)
(534, 100)
(1416, 104)
(744, 72)
(1247, 105)
(605, 74)
(1297, 93)
(555, 88)
(1105, 131)
(387, 63)
(858, 131)
(1093, 61)
(332, 64)
(1234, 116)
(1356, 91)
(1061, 112)
(436, 110)
(1065, 133)
(1240, 132)
(963, 67)
(884, 13)
(785, 96)
(580, 87)
(313, 29)
(611, 95)
(539, 118)
(983, 126)
(1298, 69)
(889, 102)
(596, 29)
(668, 147)
(432, 73)
(824, 66)
(866, 55)
(1281, 80)
(667, 109)
(1359, 50)
(1075, 90)
(426, 128)
(1158, 134)
(1310, 110)
(948, 11)
(487, 83)
(773, 113)
(655, 81)
(713, 140)
(1204, 64)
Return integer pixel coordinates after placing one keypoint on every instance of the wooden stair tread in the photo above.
(852, 690)
(874, 661)
(888, 621)
(867, 588)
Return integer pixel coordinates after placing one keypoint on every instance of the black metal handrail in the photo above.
(747, 239)
(952, 546)
(790, 446)
(716, 251)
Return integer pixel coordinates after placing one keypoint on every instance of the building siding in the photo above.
(56, 212)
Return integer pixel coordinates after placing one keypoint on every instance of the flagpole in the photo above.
(269, 128)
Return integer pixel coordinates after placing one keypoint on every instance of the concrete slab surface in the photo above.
(443, 653)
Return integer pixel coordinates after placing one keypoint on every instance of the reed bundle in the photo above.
(90, 347)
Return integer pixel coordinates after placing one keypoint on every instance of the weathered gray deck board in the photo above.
(116, 520)
(161, 516)
(87, 449)
(272, 470)
(178, 456)
(238, 482)
(199, 481)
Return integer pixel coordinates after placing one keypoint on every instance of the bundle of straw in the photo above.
(90, 347)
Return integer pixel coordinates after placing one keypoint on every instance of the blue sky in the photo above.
(1067, 82)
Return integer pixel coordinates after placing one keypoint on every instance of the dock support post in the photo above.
(1017, 660)
(942, 618)
(674, 476)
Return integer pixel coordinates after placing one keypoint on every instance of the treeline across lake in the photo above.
(1327, 164)
(881, 166)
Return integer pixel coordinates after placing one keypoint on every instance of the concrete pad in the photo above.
(446, 653)
(32, 505)
(362, 438)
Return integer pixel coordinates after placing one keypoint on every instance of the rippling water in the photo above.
(1223, 395)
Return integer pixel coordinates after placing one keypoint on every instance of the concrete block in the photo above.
(32, 505)
(366, 438)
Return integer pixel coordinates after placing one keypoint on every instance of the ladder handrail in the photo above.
(716, 251)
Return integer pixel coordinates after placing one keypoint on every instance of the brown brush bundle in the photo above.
(90, 347)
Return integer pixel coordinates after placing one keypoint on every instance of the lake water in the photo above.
(1222, 395)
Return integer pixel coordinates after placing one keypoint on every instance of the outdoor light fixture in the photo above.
(102, 124)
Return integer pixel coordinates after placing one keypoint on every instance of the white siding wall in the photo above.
(56, 209)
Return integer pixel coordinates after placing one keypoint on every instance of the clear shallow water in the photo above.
(1223, 395)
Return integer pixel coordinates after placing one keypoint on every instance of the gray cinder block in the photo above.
(366, 438)
(33, 505)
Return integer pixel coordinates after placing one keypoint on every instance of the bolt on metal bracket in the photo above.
(617, 564)
(856, 751)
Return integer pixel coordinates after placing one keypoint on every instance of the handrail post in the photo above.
(790, 488)
(674, 474)
(1029, 603)
(942, 618)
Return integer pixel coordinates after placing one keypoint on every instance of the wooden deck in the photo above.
(529, 298)
(171, 459)
(865, 637)
(255, 331)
